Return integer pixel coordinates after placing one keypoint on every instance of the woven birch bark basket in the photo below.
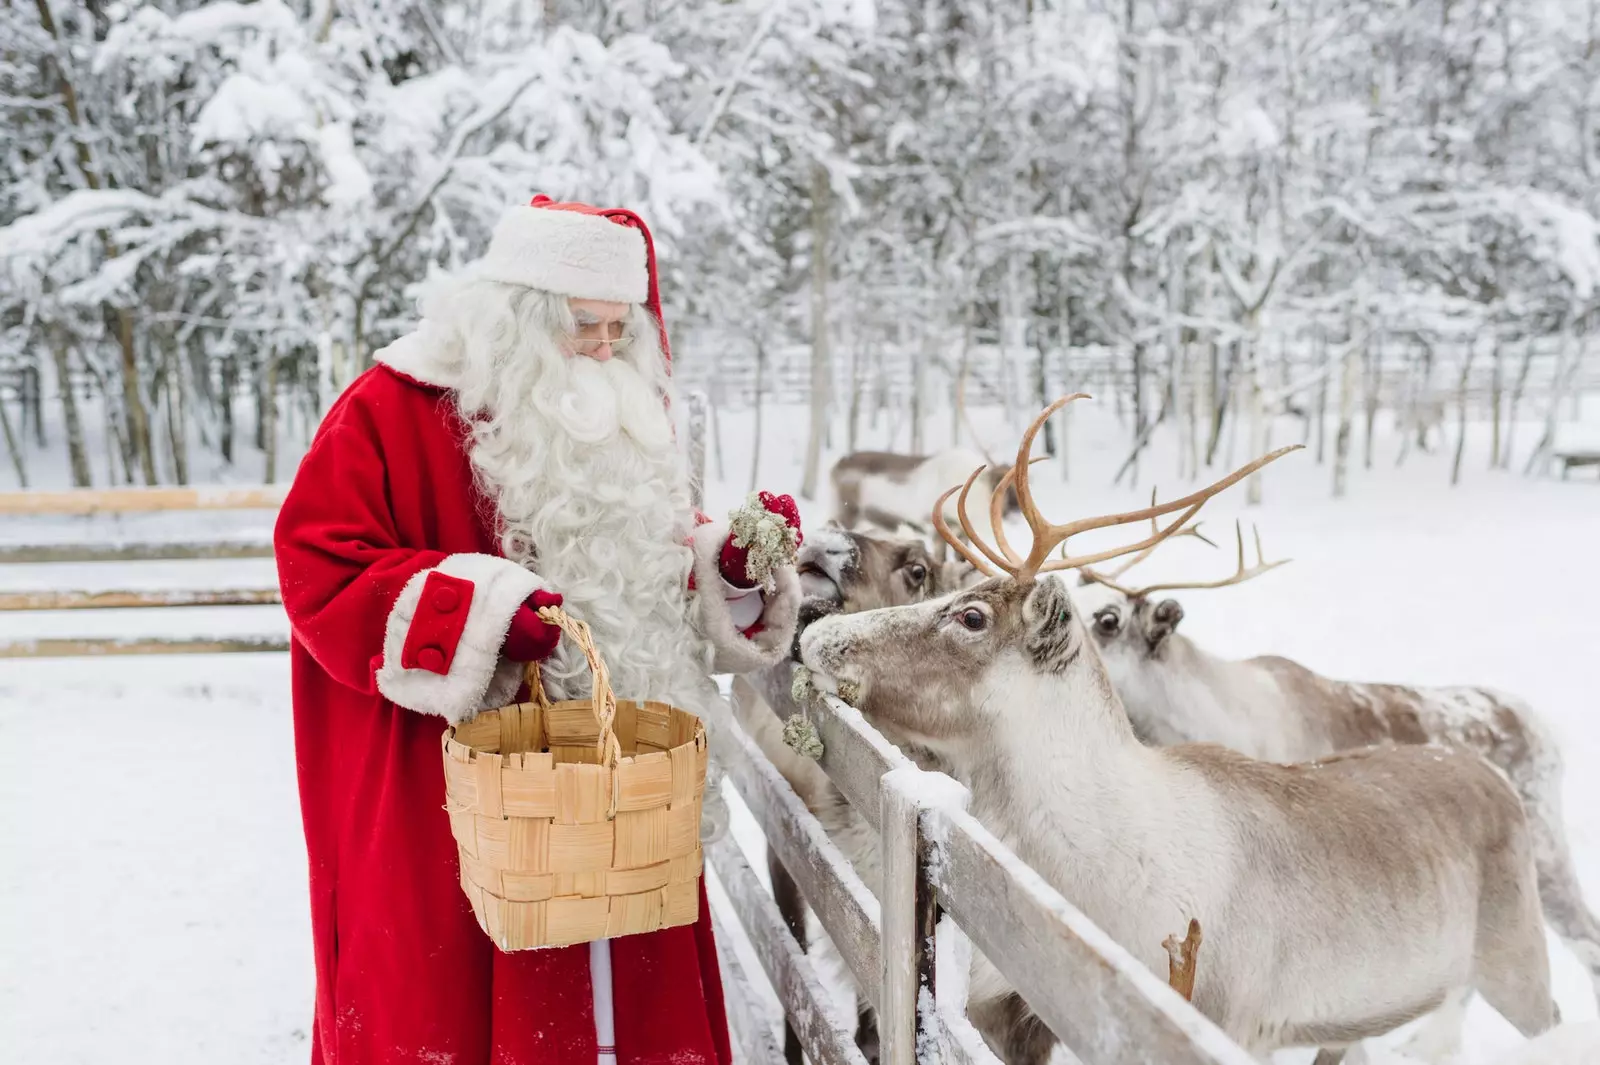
(577, 820)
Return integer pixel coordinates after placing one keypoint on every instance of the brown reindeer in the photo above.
(1273, 708)
(841, 571)
(1342, 897)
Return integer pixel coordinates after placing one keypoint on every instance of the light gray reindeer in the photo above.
(840, 571)
(891, 491)
(1340, 898)
(1274, 708)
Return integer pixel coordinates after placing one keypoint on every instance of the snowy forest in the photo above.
(1216, 214)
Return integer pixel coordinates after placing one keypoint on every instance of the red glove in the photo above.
(532, 638)
(732, 560)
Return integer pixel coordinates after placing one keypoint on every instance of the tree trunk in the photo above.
(1516, 399)
(1461, 415)
(958, 380)
(1370, 354)
(853, 425)
(1138, 408)
(1496, 389)
(820, 369)
(13, 445)
(1347, 403)
(1064, 342)
(1041, 360)
(715, 416)
(1567, 363)
(918, 372)
(70, 419)
(177, 438)
(229, 375)
(1258, 428)
(33, 404)
(269, 416)
(133, 403)
(755, 443)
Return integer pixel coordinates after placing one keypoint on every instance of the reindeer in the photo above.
(841, 571)
(1342, 898)
(891, 491)
(1276, 709)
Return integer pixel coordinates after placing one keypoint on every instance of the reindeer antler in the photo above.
(1181, 959)
(1000, 557)
(1191, 530)
(1241, 574)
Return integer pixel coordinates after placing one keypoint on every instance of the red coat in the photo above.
(381, 514)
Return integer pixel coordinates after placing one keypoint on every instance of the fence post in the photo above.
(910, 912)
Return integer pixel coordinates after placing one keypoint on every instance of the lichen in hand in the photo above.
(770, 541)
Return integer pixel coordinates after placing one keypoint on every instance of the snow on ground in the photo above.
(152, 894)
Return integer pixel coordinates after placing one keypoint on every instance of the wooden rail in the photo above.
(86, 501)
(134, 551)
(53, 647)
(1104, 1006)
(115, 600)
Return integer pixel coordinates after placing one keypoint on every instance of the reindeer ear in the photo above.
(1164, 618)
(1047, 613)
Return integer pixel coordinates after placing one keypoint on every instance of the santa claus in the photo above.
(515, 451)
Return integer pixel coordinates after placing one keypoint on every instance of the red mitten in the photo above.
(754, 529)
(532, 638)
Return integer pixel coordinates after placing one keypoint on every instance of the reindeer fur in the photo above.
(843, 572)
(1276, 709)
(892, 491)
(1340, 898)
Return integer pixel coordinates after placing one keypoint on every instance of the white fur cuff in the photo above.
(734, 653)
(570, 253)
(474, 678)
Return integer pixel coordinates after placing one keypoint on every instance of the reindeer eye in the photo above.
(1108, 622)
(916, 573)
(974, 619)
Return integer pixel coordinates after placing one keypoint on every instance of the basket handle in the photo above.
(603, 698)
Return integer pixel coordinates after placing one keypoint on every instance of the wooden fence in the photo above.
(1104, 1005)
(88, 503)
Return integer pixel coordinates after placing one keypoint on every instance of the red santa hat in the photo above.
(573, 249)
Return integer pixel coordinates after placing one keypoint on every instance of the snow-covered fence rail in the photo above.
(89, 501)
(127, 638)
(1105, 1006)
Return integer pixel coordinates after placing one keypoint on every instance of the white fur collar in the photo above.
(422, 356)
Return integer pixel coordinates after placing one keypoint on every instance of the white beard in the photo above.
(592, 493)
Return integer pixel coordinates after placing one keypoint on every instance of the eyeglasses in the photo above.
(591, 336)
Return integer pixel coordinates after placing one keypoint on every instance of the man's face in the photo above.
(601, 328)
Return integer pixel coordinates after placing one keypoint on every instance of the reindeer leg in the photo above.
(1440, 1034)
(793, 907)
(1013, 1031)
(866, 1031)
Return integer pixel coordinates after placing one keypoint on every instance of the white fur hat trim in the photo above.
(585, 256)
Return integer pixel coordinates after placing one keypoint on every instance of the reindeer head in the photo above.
(945, 671)
(863, 571)
(950, 669)
(1131, 625)
(1007, 489)
(845, 572)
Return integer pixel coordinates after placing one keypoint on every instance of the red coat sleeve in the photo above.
(419, 625)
